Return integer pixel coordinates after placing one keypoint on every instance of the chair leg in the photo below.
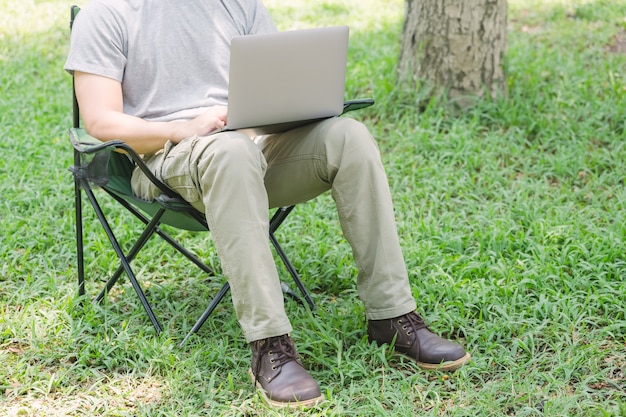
(277, 219)
(123, 259)
(218, 298)
(80, 259)
(139, 244)
(292, 271)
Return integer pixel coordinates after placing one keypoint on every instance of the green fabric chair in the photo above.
(109, 165)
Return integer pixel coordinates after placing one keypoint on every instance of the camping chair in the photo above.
(109, 165)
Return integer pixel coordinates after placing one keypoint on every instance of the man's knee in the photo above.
(229, 151)
(228, 145)
(351, 136)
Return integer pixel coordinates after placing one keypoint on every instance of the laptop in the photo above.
(283, 80)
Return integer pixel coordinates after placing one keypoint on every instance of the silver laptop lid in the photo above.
(287, 76)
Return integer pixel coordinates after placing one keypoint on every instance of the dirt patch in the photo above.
(618, 43)
(118, 395)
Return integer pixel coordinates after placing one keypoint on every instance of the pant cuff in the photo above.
(392, 312)
(258, 334)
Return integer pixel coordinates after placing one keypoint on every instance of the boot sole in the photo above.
(444, 366)
(280, 404)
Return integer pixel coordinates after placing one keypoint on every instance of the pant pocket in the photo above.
(142, 186)
(178, 170)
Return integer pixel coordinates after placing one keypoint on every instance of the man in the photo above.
(153, 73)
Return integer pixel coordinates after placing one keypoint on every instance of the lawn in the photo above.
(511, 217)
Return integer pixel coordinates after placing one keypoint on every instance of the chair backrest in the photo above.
(75, 111)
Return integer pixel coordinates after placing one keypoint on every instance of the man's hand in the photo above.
(209, 121)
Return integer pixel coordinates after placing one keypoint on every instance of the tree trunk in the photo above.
(455, 47)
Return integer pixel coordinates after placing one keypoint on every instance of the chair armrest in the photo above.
(86, 144)
(356, 104)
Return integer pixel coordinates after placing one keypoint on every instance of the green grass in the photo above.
(511, 216)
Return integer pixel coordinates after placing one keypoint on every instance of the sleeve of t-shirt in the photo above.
(97, 44)
(261, 20)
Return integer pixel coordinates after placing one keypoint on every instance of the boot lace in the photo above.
(412, 322)
(282, 347)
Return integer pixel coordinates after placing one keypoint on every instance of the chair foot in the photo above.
(288, 292)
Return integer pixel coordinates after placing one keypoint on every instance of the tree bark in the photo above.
(455, 47)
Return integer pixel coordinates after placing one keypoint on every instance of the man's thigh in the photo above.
(177, 166)
(303, 162)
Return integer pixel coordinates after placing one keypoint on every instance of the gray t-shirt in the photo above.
(171, 56)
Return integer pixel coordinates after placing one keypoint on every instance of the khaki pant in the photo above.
(233, 180)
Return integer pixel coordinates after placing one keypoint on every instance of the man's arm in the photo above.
(101, 106)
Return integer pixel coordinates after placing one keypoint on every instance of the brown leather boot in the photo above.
(279, 374)
(415, 340)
